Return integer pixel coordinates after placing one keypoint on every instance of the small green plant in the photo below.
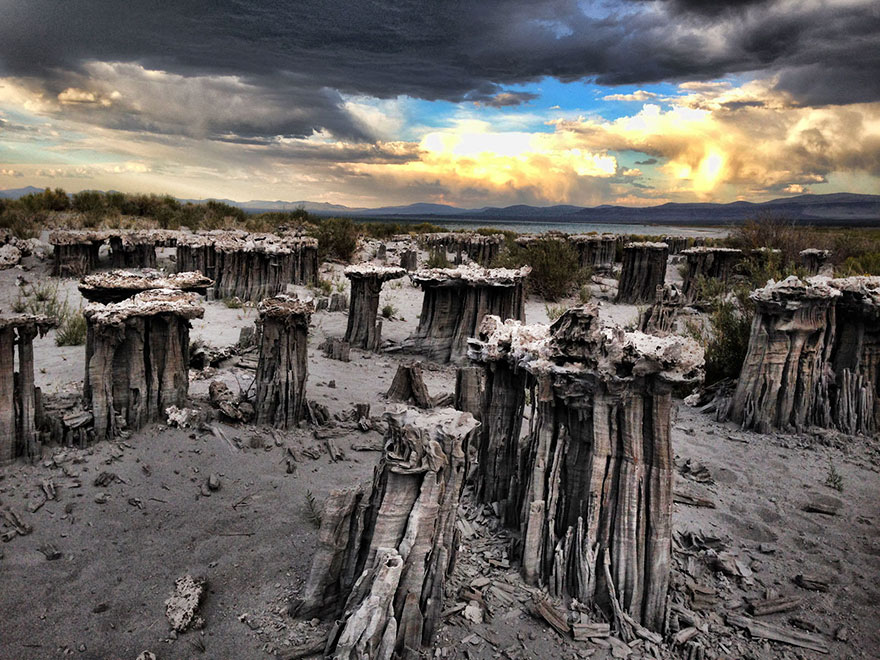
(324, 287)
(585, 294)
(389, 311)
(833, 479)
(233, 303)
(340, 286)
(554, 311)
(72, 329)
(20, 304)
(313, 511)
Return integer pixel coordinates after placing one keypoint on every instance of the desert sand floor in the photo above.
(123, 544)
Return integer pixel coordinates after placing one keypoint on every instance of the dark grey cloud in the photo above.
(508, 99)
(649, 161)
(293, 60)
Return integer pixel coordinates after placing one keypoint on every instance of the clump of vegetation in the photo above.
(437, 259)
(585, 294)
(865, 264)
(233, 303)
(389, 311)
(555, 268)
(72, 329)
(324, 287)
(337, 239)
(833, 479)
(555, 311)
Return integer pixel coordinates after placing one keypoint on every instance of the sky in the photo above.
(490, 103)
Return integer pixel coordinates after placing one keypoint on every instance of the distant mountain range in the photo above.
(831, 209)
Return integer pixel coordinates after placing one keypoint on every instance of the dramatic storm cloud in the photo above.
(489, 102)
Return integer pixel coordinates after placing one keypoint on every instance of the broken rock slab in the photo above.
(181, 608)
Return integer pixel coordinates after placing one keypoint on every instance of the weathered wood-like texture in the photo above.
(137, 358)
(409, 386)
(383, 555)
(455, 302)
(362, 330)
(593, 475)
(813, 357)
(707, 263)
(478, 248)
(76, 252)
(282, 369)
(644, 269)
(117, 285)
(595, 251)
(854, 396)
(132, 251)
(249, 266)
(470, 384)
(18, 432)
(661, 318)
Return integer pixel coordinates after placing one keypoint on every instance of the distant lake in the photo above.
(531, 227)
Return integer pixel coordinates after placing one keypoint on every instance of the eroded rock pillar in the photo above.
(644, 268)
(137, 358)
(366, 285)
(282, 370)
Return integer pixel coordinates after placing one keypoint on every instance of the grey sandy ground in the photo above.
(253, 541)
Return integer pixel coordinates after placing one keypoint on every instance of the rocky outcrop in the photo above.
(813, 261)
(249, 266)
(384, 552)
(479, 248)
(662, 316)
(409, 260)
(854, 396)
(362, 330)
(76, 252)
(644, 269)
(595, 251)
(117, 285)
(455, 302)
(707, 263)
(282, 370)
(593, 476)
(132, 250)
(18, 396)
(784, 375)
(137, 358)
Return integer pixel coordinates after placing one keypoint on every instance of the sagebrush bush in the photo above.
(72, 329)
(866, 264)
(337, 239)
(555, 268)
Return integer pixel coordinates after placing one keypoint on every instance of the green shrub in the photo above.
(730, 325)
(389, 311)
(555, 269)
(72, 329)
(337, 239)
(866, 264)
(233, 303)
